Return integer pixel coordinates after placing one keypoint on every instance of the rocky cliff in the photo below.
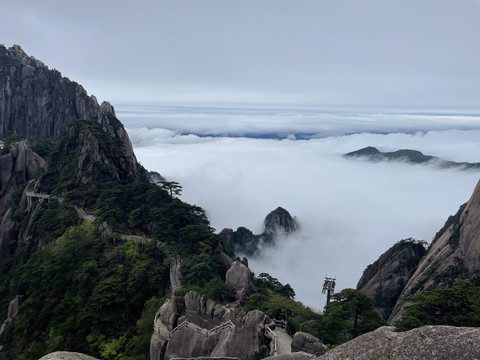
(454, 254)
(17, 167)
(39, 104)
(278, 222)
(195, 326)
(385, 279)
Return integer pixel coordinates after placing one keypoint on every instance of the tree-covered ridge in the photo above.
(83, 288)
(409, 156)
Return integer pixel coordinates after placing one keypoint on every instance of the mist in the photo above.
(350, 211)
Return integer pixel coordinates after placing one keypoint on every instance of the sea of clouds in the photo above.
(240, 164)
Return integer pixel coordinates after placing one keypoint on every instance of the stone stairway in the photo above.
(284, 341)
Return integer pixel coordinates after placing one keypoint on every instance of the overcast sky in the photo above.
(408, 53)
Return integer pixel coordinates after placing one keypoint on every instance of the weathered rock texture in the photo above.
(293, 356)
(385, 279)
(307, 343)
(239, 278)
(206, 328)
(12, 313)
(64, 355)
(40, 104)
(277, 223)
(454, 254)
(17, 167)
(280, 221)
(427, 342)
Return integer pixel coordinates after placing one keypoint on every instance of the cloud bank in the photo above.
(350, 211)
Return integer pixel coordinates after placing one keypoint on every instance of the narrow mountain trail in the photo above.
(284, 341)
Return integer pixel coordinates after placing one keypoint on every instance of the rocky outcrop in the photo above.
(279, 221)
(307, 343)
(453, 254)
(64, 355)
(12, 313)
(427, 342)
(239, 278)
(40, 104)
(385, 279)
(242, 241)
(18, 166)
(293, 356)
(206, 328)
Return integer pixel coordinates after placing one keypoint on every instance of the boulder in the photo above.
(293, 356)
(64, 355)
(239, 278)
(427, 342)
(206, 329)
(307, 343)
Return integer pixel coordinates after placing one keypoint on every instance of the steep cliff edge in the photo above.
(39, 104)
(385, 279)
(278, 222)
(453, 255)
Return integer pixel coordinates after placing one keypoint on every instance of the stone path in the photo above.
(284, 341)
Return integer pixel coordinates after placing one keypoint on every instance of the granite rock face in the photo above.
(202, 327)
(385, 279)
(280, 221)
(307, 343)
(427, 342)
(454, 254)
(17, 167)
(37, 102)
(40, 104)
(238, 277)
(64, 355)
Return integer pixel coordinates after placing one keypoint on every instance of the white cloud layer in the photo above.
(350, 211)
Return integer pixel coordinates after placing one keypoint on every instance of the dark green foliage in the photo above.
(456, 306)
(217, 290)
(348, 315)
(43, 148)
(276, 300)
(82, 286)
(10, 140)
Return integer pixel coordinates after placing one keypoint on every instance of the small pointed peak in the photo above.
(107, 108)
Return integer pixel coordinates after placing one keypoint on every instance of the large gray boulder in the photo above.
(239, 278)
(196, 326)
(64, 355)
(427, 342)
(293, 356)
(307, 343)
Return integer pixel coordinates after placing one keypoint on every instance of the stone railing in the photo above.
(269, 333)
(215, 330)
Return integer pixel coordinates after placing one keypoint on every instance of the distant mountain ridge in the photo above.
(409, 156)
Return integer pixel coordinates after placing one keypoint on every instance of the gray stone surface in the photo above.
(427, 342)
(391, 272)
(240, 334)
(292, 356)
(307, 343)
(64, 355)
(456, 251)
(239, 278)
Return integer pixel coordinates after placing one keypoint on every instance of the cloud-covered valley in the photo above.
(350, 211)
